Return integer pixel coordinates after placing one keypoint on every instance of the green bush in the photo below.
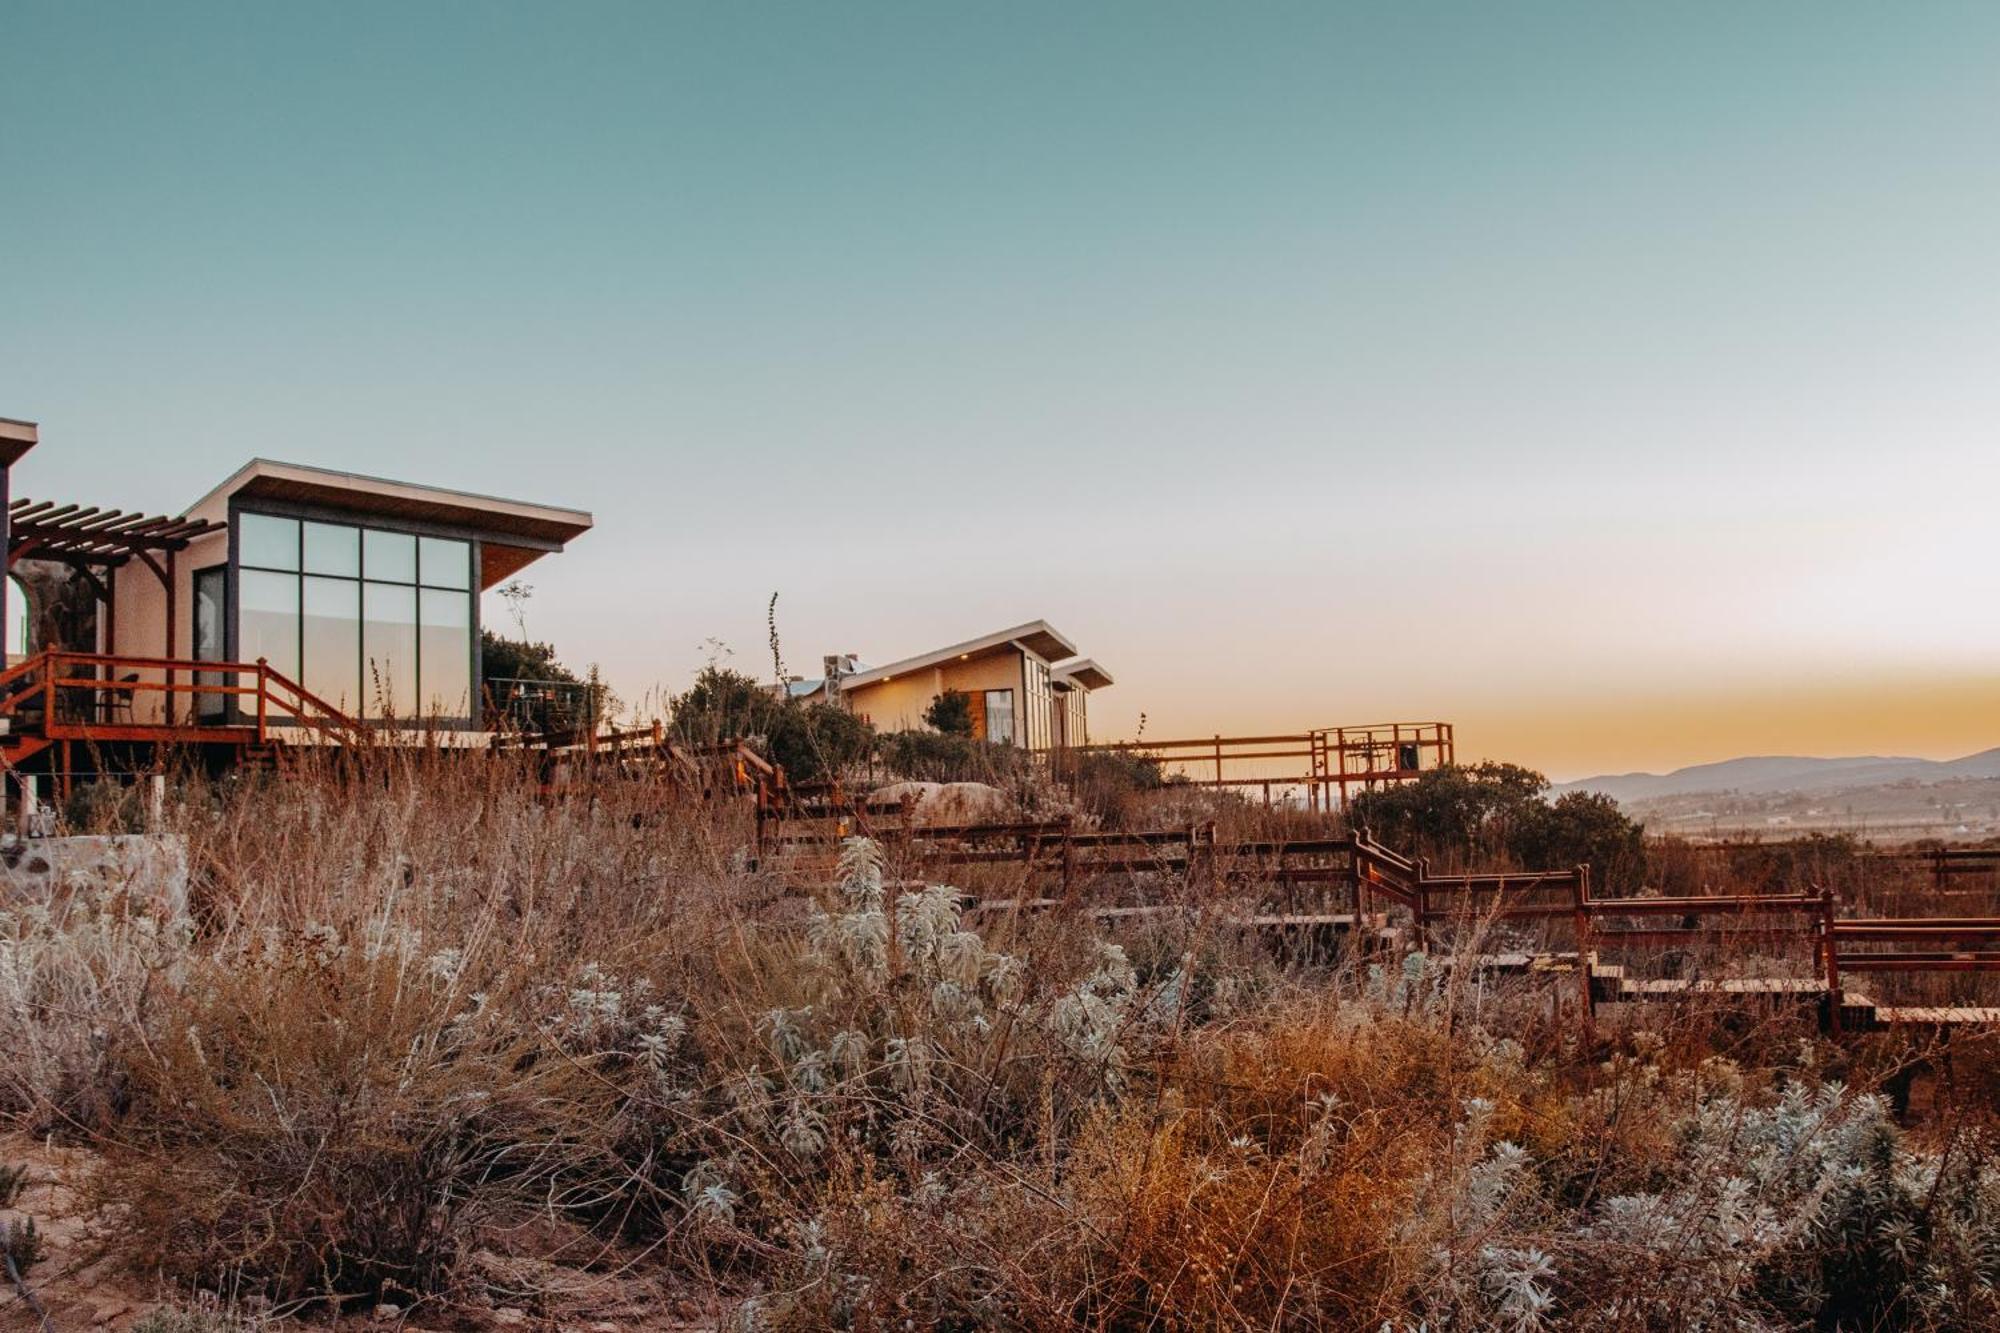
(1451, 814)
(723, 705)
(950, 713)
(811, 741)
(1581, 828)
(571, 700)
(815, 741)
(930, 756)
(1461, 816)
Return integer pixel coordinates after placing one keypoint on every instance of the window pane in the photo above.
(269, 624)
(1000, 716)
(447, 653)
(269, 543)
(388, 648)
(446, 563)
(333, 548)
(333, 641)
(17, 617)
(211, 591)
(390, 557)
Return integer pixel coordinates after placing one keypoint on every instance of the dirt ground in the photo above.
(82, 1286)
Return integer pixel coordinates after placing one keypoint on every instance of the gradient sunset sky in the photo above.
(1620, 384)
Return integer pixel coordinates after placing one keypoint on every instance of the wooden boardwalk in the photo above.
(1318, 896)
(1610, 983)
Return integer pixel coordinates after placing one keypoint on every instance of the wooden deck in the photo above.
(123, 713)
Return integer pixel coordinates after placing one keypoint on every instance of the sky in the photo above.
(1615, 382)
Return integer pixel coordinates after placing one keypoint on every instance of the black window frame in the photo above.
(364, 520)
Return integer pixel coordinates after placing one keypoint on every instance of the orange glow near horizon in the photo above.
(1905, 715)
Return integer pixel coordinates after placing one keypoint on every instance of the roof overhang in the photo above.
(1081, 672)
(512, 533)
(16, 438)
(1037, 637)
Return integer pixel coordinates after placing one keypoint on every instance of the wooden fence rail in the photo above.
(1370, 871)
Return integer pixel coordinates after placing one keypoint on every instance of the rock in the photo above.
(145, 872)
(933, 804)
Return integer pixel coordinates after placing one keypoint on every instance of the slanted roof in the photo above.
(1037, 636)
(16, 438)
(512, 532)
(1082, 672)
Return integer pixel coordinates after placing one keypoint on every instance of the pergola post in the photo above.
(173, 618)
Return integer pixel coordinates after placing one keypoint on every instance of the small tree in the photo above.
(1471, 815)
(1582, 828)
(506, 665)
(1452, 814)
(950, 713)
(723, 704)
(815, 741)
(810, 741)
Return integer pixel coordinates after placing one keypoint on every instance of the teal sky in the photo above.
(1618, 382)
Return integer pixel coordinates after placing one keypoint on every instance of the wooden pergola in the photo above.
(96, 542)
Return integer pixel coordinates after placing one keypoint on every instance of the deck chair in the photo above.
(114, 702)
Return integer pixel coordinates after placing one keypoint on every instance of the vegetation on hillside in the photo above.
(1491, 814)
(424, 1037)
(810, 740)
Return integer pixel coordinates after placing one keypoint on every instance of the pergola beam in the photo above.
(103, 537)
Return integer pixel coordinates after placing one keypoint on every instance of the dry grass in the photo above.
(425, 1017)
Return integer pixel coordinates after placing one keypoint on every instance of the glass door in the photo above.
(211, 598)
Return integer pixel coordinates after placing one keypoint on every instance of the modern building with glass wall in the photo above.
(365, 591)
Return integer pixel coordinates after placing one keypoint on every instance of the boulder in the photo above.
(936, 804)
(147, 871)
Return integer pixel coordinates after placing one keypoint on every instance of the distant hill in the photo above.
(1786, 773)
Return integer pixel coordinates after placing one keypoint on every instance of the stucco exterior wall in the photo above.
(899, 704)
(140, 625)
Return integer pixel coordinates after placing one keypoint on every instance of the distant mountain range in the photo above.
(1786, 773)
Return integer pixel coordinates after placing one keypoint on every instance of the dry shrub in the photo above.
(325, 1120)
(76, 980)
(426, 1006)
(366, 1057)
(1273, 1180)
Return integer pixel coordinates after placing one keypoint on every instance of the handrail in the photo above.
(1776, 904)
(12, 701)
(23, 667)
(334, 720)
(1918, 928)
(271, 688)
(147, 663)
